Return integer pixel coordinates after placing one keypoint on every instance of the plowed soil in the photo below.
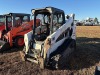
(82, 61)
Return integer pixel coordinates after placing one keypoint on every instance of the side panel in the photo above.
(54, 47)
(74, 32)
(27, 38)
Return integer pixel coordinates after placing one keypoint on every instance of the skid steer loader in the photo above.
(50, 44)
(12, 34)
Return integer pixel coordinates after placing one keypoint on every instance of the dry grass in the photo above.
(87, 55)
(88, 31)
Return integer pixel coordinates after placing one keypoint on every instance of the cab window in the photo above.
(57, 21)
(25, 19)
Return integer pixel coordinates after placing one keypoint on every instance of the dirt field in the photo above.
(82, 61)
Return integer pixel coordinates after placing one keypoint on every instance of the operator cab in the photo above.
(15, 20)
(50, 20)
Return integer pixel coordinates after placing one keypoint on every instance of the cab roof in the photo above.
(49, 9)
(17, 14)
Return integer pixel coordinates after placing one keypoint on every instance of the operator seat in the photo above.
(42, 32)
(18, 23)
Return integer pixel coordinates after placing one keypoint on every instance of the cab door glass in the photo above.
(57, 21)
(18, 21)
(9, 19)
(25, 19)
(2, 19)
(60, 19)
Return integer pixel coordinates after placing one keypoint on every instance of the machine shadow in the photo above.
(87, 54)
(13, 49)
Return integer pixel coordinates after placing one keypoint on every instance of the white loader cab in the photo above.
(50, 43)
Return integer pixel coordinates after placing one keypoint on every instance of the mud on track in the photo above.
(82, 61)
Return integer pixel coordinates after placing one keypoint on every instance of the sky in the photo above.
(81, 8)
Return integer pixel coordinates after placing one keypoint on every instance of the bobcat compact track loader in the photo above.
(50, 43)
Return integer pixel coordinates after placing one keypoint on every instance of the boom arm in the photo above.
(56, 38)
